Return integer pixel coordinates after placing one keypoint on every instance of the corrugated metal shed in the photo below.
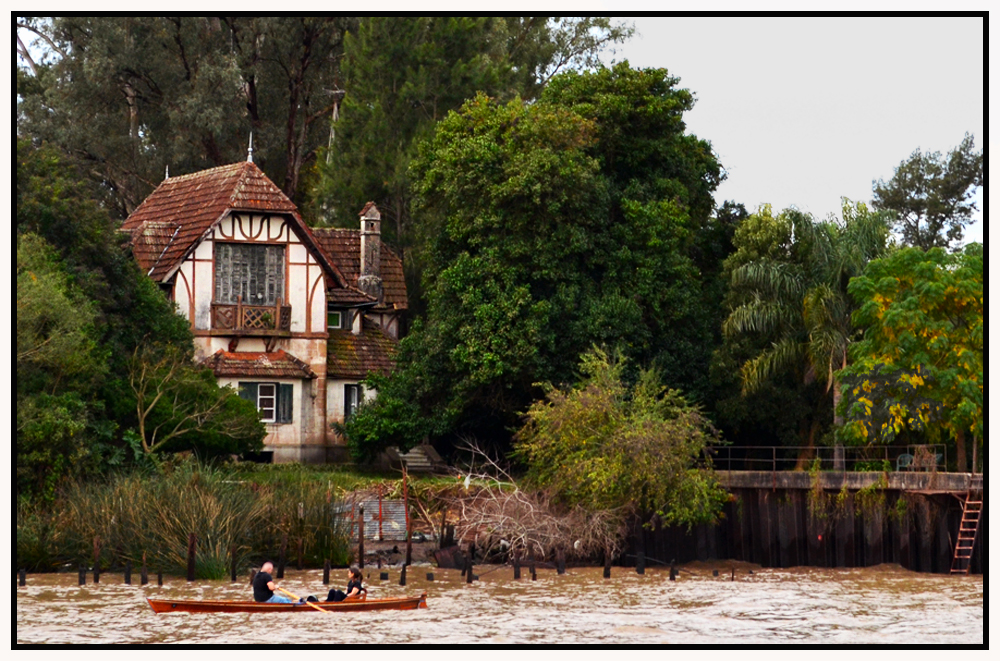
(385, 520)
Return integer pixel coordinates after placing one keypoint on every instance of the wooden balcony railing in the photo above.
(252, 319)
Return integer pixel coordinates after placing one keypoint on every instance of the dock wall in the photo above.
(828, 519)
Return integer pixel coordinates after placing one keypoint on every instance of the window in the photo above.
(352, 398)
(273, 400)
(254, 272)
(334, 319)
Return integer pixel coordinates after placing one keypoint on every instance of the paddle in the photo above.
(321, 610)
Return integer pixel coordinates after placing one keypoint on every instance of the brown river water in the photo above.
(875, 605)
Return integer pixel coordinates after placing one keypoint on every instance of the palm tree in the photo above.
(796, 295)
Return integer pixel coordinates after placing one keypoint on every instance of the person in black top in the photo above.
(264, 587)
(354, 587)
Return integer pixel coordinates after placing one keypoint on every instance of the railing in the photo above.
(774, 458)
(243, 318)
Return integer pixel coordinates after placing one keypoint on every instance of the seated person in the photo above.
(354, 587)
(264, 587)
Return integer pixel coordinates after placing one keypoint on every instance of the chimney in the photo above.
(370, 280)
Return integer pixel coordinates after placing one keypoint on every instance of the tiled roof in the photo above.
(353, 356)
(343, 246)
(193, 203)
(278, 364)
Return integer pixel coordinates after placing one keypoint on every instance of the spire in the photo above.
(250, 149)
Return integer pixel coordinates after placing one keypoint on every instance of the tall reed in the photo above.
(133, 516)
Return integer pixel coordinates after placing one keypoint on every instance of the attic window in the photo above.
(252, 273)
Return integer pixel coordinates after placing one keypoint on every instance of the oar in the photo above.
(321, 610)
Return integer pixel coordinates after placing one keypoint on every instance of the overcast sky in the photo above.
(802, 111)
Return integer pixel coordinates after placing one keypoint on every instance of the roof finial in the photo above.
(250, 149)
(166, 174)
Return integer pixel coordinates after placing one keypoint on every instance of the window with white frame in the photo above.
(352, 399)
(273, 400)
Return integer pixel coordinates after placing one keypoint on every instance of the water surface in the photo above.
(876, 605)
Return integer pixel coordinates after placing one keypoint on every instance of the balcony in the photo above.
(240, 319)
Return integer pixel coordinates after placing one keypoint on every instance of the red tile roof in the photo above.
(193, 203)
(278, 364)
(350, 356)
(344, 249)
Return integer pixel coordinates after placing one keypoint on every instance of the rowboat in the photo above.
(353, 605)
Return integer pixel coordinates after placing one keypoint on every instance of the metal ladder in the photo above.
(969, 527)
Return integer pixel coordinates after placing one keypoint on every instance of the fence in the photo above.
(775, 458)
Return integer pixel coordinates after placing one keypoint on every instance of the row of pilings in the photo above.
(789, 520)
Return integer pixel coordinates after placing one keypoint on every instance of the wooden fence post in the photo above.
(128, 572)
(326, 572)
(361, 537)
(281, 557)
(192, 543)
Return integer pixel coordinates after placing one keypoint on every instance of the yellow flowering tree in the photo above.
(919, 365)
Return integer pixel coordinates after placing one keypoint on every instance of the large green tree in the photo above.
(537, 244)
(932, 195)
(922, 317)
(130, 97)
(790, 312)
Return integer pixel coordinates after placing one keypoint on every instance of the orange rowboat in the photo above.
(351, 605)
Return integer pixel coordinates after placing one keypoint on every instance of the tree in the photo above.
(129, 97)
(789, 286)
(932, 195)
(179, 406)
(604, 444)
(532, 250)
(405, 74)
(922, 316)
(57, 360)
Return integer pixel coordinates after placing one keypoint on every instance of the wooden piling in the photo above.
(22, 577)
(326, 572)
(282, 554)
(430, 576)
(192, 544)
(534, 576)
(383, 576)
(128, 572)
(444, 514)
(560, 562)
(83, 575)
(402, 576)
(298, 561)
(232, 563)
(673, 571)
(607, 564)
(409, 521)
(361, 537)
(97, 559)
(143, 573)
(517, 566)
(468, 568)
(159, 578)
(640, 563)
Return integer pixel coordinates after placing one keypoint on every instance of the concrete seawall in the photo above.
(827, 519)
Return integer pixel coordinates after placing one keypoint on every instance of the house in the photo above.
(291, 317)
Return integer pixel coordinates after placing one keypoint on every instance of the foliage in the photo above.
(533, 250)
(180, 407)
(130, 96)
(923, 318)
(603, 444)
(149, 516)
(931, 195)
(790, 313)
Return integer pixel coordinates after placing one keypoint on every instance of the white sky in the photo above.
(802, 111)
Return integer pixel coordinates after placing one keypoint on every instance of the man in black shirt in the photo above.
(264, 587)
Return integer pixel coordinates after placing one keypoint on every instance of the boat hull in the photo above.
(350, 605)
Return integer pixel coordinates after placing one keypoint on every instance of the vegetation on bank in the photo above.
(543, 206)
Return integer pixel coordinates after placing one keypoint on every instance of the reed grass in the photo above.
(136, 516)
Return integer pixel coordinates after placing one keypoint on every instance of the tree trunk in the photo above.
(960, 458)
